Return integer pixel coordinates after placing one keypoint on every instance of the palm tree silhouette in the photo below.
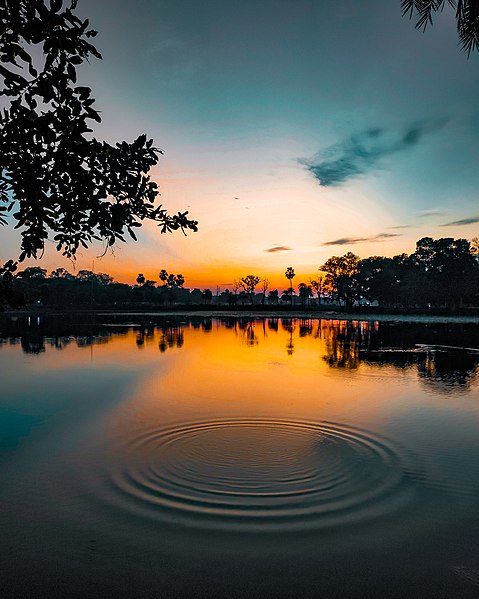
(290, 274)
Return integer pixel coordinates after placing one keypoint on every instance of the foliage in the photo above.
(56, 178)
(207, 295)
(249, 284)
(288, 295)
(242, 297)
(317, 285)
(448, 268)
(290, 274)
(340, 277)
(170, 280)
(441, 272)
(467, 18)
(380, 278)
(264, 288)
(305, 292)
(33, 272)
(273, 296)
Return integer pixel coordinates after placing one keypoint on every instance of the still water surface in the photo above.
(239, 458)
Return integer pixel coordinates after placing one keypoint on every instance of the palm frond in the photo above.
(424, 10)
(467, 17)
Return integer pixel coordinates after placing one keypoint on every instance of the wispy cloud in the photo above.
(363, 152)
(278, 248)
(354, 240)
(428, 213)
(464, 221)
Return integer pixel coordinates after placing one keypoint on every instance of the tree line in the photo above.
(442, 273)
(439, 273)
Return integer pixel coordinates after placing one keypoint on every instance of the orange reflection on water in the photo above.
(299, 369)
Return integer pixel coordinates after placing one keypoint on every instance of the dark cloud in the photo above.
(354, 240)
(400, 227)
(278, 248)
(464, 221)
(362, 153)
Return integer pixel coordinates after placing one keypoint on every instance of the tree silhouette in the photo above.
(273, 297)
(318, 286)
(175, 281)
(467, 18)
(249, 284)
(207, 296)
(340, 277)
(235, 285)
(379, 278)
(100, 278)
(305, 292)
(140, 279)
(290, 274)
(287, 295)
(448, 266)
(163, 276)
(33, 272)
(61, 273)
(55, 178)
(264, 287)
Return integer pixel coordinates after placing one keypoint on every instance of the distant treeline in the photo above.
(441, 273)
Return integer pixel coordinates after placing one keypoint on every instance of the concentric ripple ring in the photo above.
(259, 473)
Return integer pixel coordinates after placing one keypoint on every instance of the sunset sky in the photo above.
(255, 103)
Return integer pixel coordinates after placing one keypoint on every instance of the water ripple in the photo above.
(259, 473)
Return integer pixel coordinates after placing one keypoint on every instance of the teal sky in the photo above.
(329, 120)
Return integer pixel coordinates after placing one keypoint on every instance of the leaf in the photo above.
(55, 5)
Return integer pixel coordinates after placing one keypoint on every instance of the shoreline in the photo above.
(209, 312)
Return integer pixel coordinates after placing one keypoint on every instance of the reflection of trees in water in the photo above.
(246, 328)
(166, 336)
(288, 326)
(37, 343)
(273, 324)
(441, 370)
(207, 325)
(305, 327)
(428, 348)
(342, 340)
(433, 349)
(34, 337)
(445, 371)
(33, 344)
(145, 335)
(172, 337)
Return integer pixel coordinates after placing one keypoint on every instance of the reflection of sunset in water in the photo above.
(248, 368)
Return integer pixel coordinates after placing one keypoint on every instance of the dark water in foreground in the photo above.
(239, 458)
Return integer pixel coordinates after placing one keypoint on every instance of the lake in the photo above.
(239, 457)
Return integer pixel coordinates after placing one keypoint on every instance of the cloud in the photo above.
(354, 240)
(427, 213)
(278, 248)
(363, 152)
(400, 227)
(464, 221)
